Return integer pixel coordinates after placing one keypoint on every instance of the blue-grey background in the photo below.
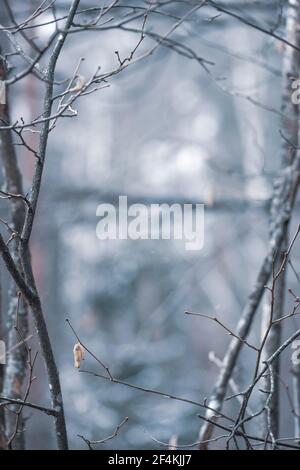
(164, 130)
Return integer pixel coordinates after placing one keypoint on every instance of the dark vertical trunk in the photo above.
(15, 370)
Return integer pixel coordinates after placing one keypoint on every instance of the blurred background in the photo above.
(164, 130)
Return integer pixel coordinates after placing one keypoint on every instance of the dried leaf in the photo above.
(79, 354)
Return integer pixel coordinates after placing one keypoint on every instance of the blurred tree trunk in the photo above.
(290, 130)
(15, 370)
(2, 414)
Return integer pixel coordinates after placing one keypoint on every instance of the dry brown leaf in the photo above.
(79, 354)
